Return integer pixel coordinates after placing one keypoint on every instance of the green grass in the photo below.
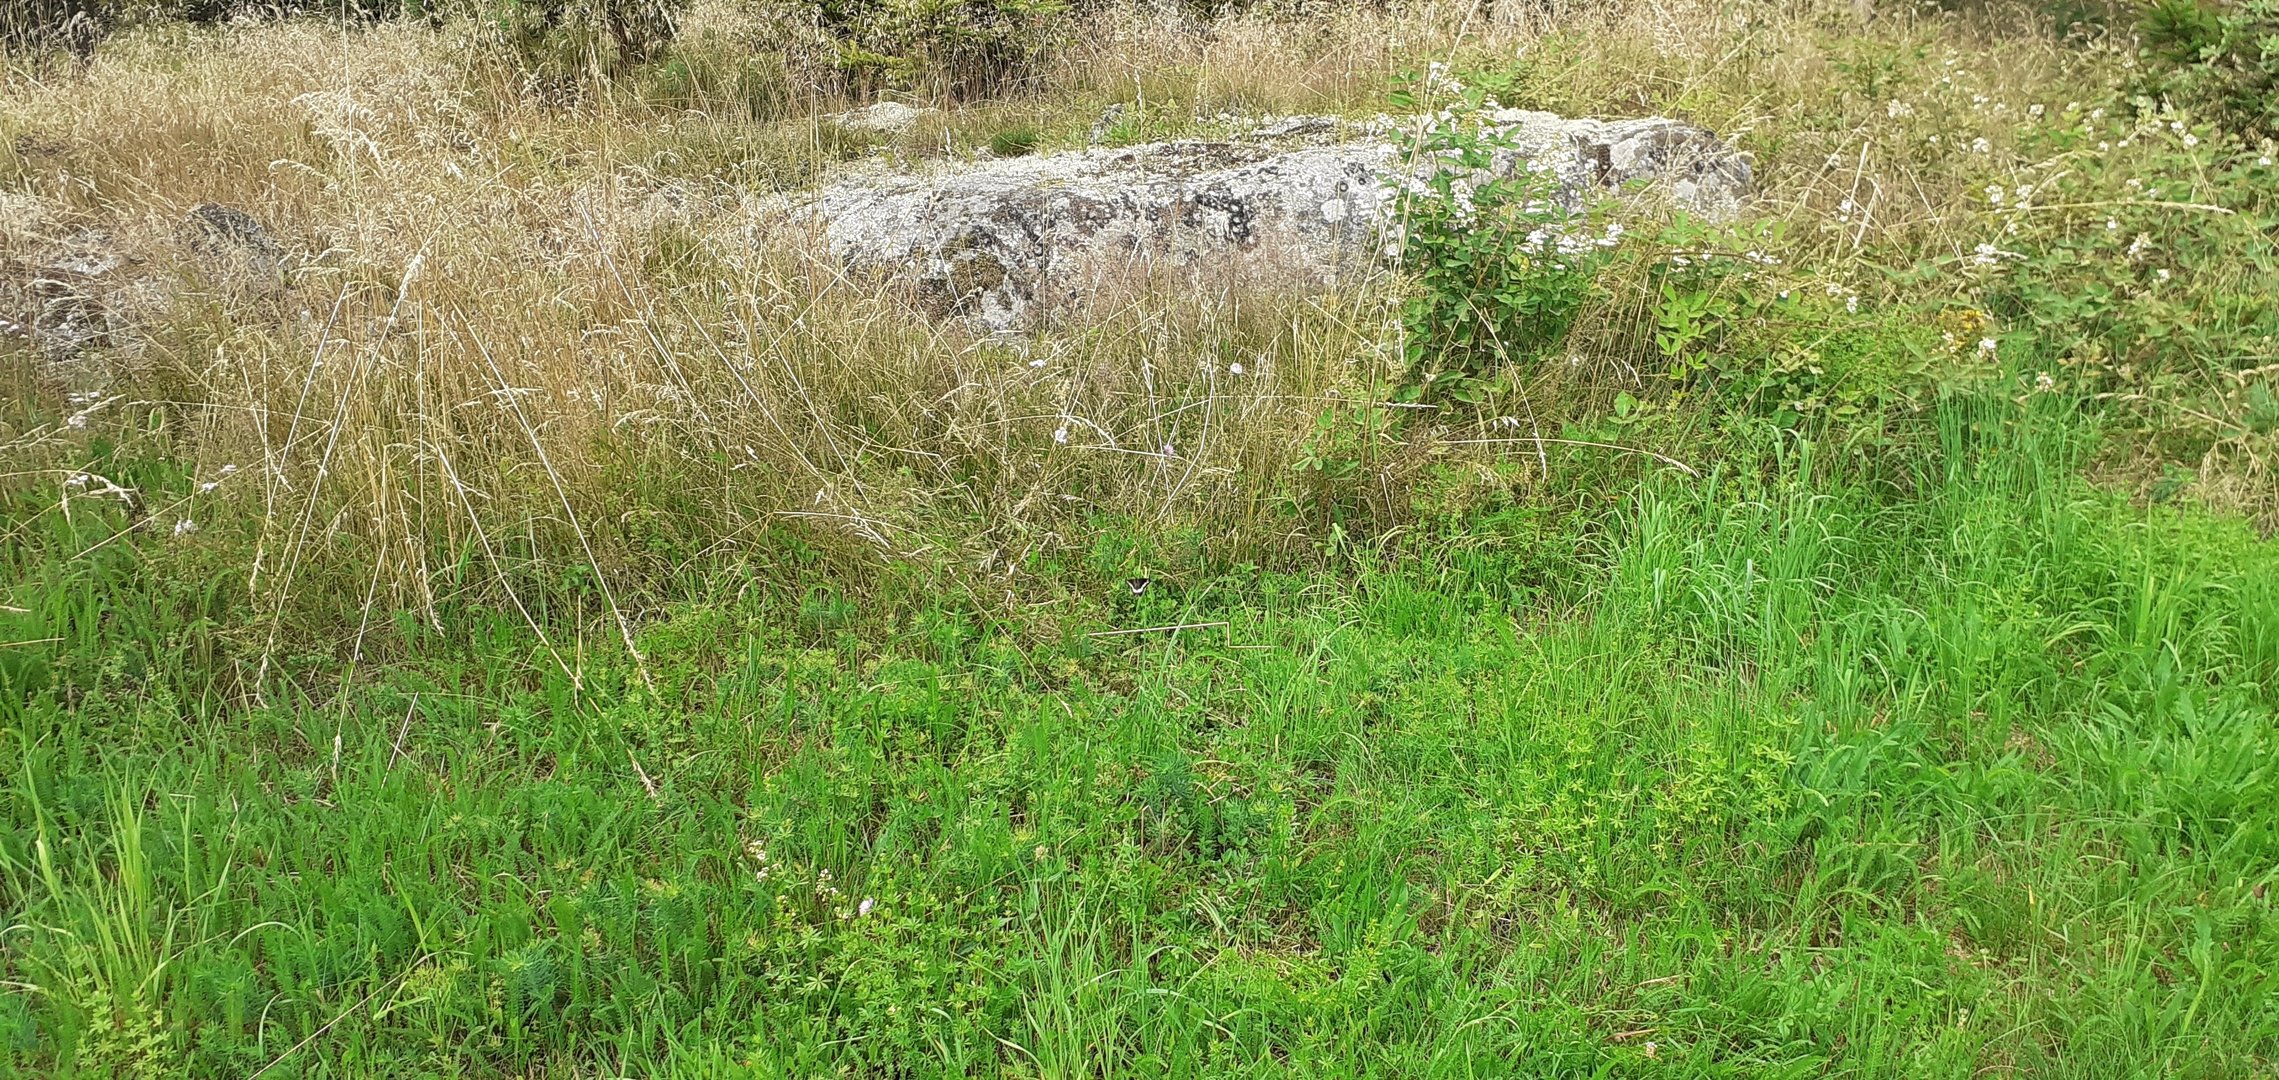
(1966, 772)
(684, 664)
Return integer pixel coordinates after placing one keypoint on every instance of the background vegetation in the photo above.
(544, 629)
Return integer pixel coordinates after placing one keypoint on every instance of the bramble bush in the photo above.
(1499, 262)
(37, 27)
(612, 35)
(569, 35)
(961, 49)
(2137, 246)
(2221, 60)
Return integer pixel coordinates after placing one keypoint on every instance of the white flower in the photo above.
(2161, 273)
(2264, 161)
(1037, 364)
(1994, 194)
(862, 910)
(1980, 145)
(2044, 382)
(1060, 434)
(1852, 304)
(76, 420)
(2097, 113)
(2111, 225)
(2034, 110)
(185, 527)
(1987, 345)
(1896, 108)
(2191, 140)
(1235, 368)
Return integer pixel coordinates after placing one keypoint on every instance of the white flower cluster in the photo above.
(826, 892)
(1551, 240)
(1990, 255)
(1439, 79)
(227, 471)
(1851, 297)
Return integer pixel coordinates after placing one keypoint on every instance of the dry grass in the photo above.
(526, 334)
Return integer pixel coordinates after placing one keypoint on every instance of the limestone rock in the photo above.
(884, 117)
(1105, 125)
(234, 251)
(67, 289)
(64, 289)
(1008, 242)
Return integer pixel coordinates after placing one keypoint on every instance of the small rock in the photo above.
(66, 292)
(236, 253)
(1106, 124)
(1296, 127)
(884, 117)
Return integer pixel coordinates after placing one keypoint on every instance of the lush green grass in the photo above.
(1964, 773)
(635, 650)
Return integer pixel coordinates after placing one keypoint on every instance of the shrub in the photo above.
(961, 49)
(541, 34)
(2135, 253)
(40, 26)
(2221, 61)
(1498, 263)
(564, 36)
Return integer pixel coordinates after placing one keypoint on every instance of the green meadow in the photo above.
(1842, 640)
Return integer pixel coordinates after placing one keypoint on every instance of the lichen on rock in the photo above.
(1006, 243)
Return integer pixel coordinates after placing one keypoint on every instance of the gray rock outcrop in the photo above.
(69, 289)
(235, 252)
(882, 117)
(66, 289)
(1005, 243)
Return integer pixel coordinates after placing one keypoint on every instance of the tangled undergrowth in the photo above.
(609, 640)
(488, 288)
